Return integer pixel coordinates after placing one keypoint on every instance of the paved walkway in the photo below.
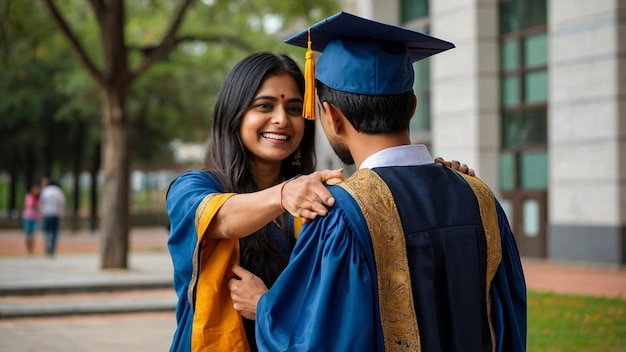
(91, 333)
(77, 260)
(576, 278)
(76, 266)
(141, 297)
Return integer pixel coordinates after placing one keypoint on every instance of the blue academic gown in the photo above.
(184, 196)
(328, 297)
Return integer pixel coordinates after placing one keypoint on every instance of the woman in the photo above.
(259, 142)
(30, 216)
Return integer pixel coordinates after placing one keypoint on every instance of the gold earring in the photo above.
(297, 159)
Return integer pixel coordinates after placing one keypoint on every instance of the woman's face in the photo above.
(272, 127)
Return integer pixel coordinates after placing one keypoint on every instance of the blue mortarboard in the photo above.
(366, 57)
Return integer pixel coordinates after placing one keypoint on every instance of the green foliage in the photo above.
(575, 323)
(32, 61)
(48, 100)
(174, 99)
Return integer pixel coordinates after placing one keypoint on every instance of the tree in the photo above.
(79, 110)
(116, 66)
(30, 62)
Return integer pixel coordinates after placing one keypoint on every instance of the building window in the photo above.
(414, 9)
(414, 15)
(517, 15)
(420, 123)
(524, 94)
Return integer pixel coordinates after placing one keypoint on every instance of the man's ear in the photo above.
(414, 106)
(336, 119)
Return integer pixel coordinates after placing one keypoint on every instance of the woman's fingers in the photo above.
(456, 165)
(307, 195)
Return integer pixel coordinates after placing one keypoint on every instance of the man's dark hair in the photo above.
(372, 114)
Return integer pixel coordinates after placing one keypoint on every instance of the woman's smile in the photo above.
(275, 136)
(272, 127)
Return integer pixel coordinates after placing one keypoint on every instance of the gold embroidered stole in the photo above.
(397, 312)
(489, 217)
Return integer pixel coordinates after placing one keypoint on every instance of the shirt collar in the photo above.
(404, 155)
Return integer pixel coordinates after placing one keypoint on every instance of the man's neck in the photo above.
(364, 145)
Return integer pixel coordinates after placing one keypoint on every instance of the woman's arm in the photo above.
(243, 214)
(305, 197)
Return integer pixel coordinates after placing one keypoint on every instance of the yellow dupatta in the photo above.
(217, 326)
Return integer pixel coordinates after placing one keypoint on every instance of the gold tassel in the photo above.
(308, 108)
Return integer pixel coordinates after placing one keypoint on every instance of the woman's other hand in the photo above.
(245, 290)
(456, 165)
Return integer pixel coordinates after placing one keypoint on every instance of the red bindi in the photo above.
(282, 96)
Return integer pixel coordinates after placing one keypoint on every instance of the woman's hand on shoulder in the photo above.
(307, 196)
(456, 165)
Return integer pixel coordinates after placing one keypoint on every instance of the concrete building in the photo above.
(534, 98)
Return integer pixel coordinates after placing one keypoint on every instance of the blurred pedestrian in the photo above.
(30, 216)
(52, 208)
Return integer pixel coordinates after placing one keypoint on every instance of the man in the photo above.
(52, 208)
(413, 256)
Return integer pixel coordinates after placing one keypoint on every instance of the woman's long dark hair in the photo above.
(227, 159)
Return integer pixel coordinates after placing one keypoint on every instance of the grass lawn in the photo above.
(568, 323)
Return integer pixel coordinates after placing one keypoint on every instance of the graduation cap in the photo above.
(362, 56)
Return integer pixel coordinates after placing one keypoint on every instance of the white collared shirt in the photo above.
(404, 155)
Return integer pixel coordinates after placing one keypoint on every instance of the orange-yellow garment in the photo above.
(297, 225)
(205, 317)
(216, 324)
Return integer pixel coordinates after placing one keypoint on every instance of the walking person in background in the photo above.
(52, 208)
(30, 216)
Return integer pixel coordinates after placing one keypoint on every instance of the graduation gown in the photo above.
(402, 262)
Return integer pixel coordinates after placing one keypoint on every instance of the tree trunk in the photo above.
(93, 206)
(76, 203)
(113, 80)
(13, 177)
(114, 224)
(30, 168)
(47, 151)
(78, 156)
